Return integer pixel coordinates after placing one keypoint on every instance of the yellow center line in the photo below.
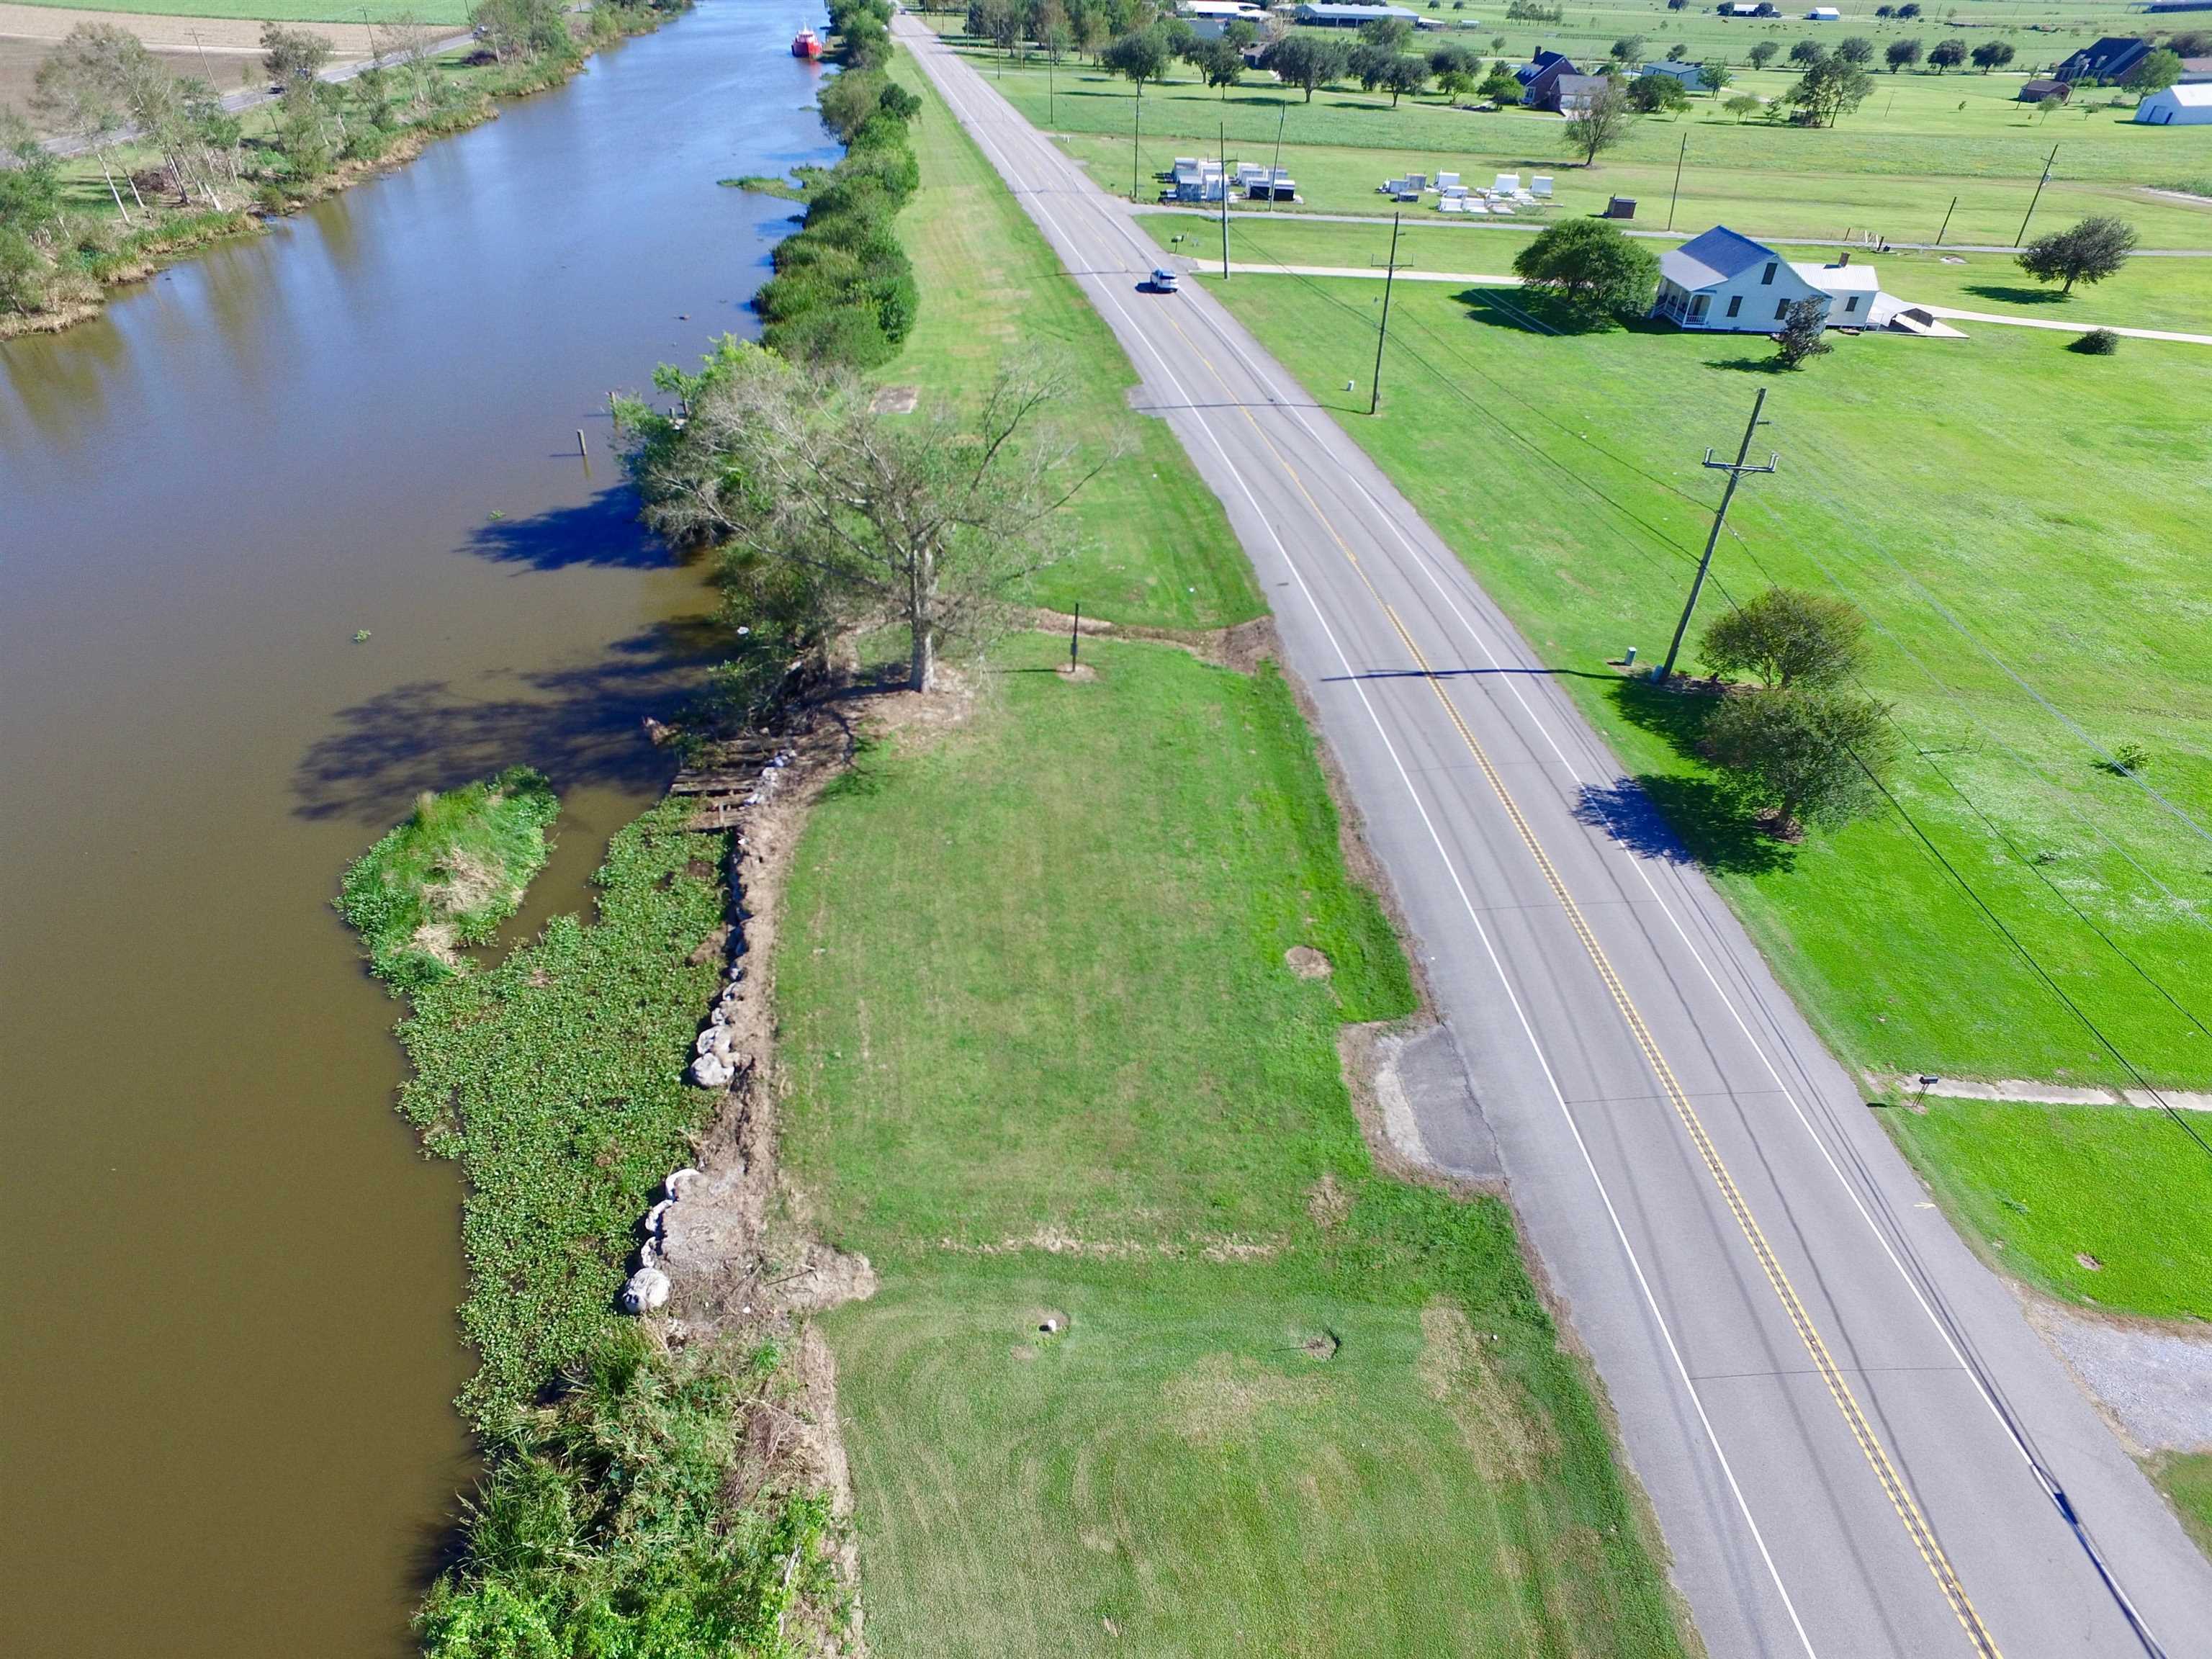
(1886, 1474)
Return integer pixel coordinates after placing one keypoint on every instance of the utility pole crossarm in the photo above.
(1737, 469)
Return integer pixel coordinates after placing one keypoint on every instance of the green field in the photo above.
(1047, 1061)
(1158, 551)
(1893, 167)
(282, 11)
(2046, 1186)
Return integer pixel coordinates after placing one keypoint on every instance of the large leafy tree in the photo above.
(932, 522)
(1589, 264)
(1948, 55)
(1829, 89)
(1815, 753)
(2158, 70)
(1309, 61)
(1788, 637)
(1902, 54)
(1140, 55)
(2086, 252)
(1992, 55)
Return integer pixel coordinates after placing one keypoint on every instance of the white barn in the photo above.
(1727, 284)
(2189, 105)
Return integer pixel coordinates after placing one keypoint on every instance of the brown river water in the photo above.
(227, 1340)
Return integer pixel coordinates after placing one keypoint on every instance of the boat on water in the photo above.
(807, 43)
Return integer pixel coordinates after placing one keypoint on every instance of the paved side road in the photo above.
(1850, 1436)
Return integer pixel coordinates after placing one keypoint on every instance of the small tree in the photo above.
(1830, 89)
(1589, 264)
(1815, 753)
(1501, 85)
(1808, 53)
(1627, 49)
(80, 89)
(1803, 333)
(1051, 30)
(1221, 64)
(2088, 252)
(2097, 343)
(1762, 53)
(1992, 55)
(1743, 105)
(1657, 94)
(2158, 70)
(1902, 54)
(294, 57)
(1309, 61)
(1387, 34)
(1716, 75)
(1456, 69)
(1403, 74)
(1677, 52)
(1855, 49)
(1908, 11)
(1140, 56)
(1948, 55)
(1787, 638)
(1603, 122)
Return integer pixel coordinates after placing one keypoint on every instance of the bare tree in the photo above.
(934, 521)
(80, 89)
(1602, 121)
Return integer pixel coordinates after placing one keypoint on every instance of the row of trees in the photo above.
(844, 290)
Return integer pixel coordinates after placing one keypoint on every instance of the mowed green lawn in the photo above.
(1047, 1062)
(282, 11)
(1156, 549)
(2048, 1186)
(1893, 167)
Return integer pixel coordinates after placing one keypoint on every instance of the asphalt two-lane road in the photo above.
(1850, 1434)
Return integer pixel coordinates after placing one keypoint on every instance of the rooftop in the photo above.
(1713, 257)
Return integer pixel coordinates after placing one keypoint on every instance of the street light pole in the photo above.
(1736, 470)
(1223, 130)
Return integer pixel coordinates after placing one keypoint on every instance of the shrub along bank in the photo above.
(844, 290)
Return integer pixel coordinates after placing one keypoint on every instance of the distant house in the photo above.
(2189, 105)
(1691, 77)
(1724, 282)
(1823, 14)
(1542, 78)
(1350, 17)
(2108, 61)
(1209, 19)
(1570, 94)
(2195, 69)
(1543, 60)
(1746, 9)
(2034, 92)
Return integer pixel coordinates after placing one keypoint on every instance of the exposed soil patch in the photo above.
(895, 399)
(1242, 647)
(1326, 1201)
(1307, 963)
(1506, 1440)
(1322, 1345)
(1223, 1396)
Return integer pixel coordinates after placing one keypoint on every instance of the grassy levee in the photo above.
(1156, 549)
(2048, 510)
(1894, 166)
(1047, 1061)
(279, 11)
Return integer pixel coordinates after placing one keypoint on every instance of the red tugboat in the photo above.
(807, 43)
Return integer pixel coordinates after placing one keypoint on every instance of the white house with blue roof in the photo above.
(1726, 282)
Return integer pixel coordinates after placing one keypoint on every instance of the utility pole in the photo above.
(1223, 130)
(202, 50)
(1282, 114)
(1074, 635)
(1735, 470)
(1389, 275)
(1051, 90)
(1679, 156)
(1946, 225)
(2021, 241)
(1136, 130)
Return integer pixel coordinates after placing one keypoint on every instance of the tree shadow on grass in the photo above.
(2007, 295)
(1748, 365)
(1698, 818)
(578, 725)
(602, 531)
